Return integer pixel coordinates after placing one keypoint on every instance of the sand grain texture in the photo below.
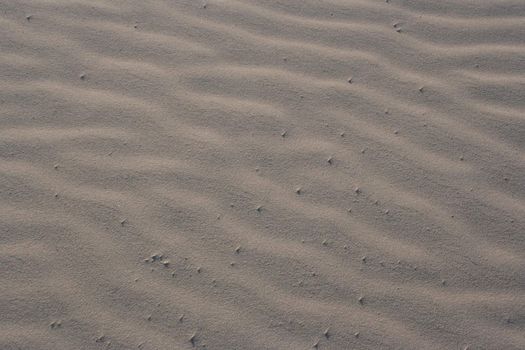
(262, 174)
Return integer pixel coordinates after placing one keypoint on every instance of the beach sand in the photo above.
(262, 174)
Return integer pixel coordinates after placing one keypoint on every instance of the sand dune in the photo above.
(262, 174)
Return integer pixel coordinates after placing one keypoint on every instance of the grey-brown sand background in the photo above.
(262, 174)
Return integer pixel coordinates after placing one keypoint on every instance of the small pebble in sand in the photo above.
(259, 208)
(199, 269)
(56, 195)
(156, 257)
(356, 334)
(28, 17)
(52, 324)
(363, 259)
(349, 210)
(166, 263)
(350, 80)
(238, 249)
(181, 318)
(327, 333)
(284, 133)
(330, 160)
(342, 134)
(316, 344)
(298, 190)
(173, 274)
(443, 282)
(325, 242)
(421, 89)
(82, 76)
(122, 222)
(192, 338)
(363, 150)
(149, 318)
(232, 264)
(361, 300)
(100, 339)
(461, 158)
(398, 30)
(357, 190)
(396, 132)
(55, 166)
(387, 211)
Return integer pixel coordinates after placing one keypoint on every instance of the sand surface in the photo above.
(262, 174)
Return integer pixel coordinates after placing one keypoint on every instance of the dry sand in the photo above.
(262, 174)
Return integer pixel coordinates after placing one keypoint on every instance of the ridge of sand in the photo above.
(262, 174)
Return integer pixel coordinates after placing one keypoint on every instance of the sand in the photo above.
(262, 174)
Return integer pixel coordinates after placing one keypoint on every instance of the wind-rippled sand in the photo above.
(262, 174)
